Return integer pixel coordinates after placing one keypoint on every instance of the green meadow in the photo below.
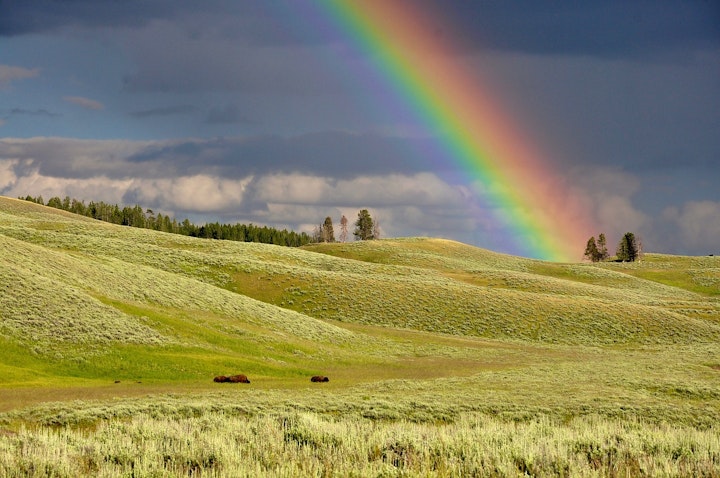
(444, 359)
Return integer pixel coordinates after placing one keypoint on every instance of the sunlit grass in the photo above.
(431, 347)
(305, 444)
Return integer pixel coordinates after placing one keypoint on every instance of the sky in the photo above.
(273, 113)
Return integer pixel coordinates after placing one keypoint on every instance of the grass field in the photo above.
(444, 359)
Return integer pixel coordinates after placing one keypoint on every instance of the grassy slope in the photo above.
(83, 304)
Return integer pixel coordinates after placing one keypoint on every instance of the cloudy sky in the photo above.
(252, 111)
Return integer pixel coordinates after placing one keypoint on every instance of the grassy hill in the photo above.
(413, 328)
(86, 299)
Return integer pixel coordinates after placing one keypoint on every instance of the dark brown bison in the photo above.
(240, 378)
(319, 378)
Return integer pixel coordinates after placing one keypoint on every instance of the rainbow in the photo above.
(537, 213)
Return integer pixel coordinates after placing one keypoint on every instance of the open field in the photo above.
(444, 359)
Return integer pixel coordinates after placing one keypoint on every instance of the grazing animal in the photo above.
(319, 378)
(240, 378)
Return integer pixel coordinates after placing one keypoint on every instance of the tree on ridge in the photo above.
(343, 228)
(591, 250)
(627, 250)
(327, 233)
(363, 226)
(602, 247)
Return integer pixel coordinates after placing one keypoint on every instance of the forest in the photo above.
(135, 216)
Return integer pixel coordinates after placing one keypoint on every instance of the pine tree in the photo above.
(363, 226)
(602, 247)
(591, 250)
(55, 202)
(627, 250)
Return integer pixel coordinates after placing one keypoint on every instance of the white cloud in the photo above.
(32, 182)
(696, 224)
(609, 194)
(9, 73)
(199, 193)
(419, 204)
(619, 215)
(86, 103)
(388, 190)
(7, 174)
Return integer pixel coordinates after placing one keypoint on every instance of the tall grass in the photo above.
(308, 444)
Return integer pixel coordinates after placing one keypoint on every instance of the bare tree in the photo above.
(317, 234)
(328, 235)
(343, 229)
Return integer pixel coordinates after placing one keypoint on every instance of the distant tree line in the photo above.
(365, 229)
(629, 249)
(135, 216)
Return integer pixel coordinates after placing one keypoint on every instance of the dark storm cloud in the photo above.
(18, 17)
(335, 154)
(254, 22)
(229, 114)
(614, 29)
(162, 55)
(165, 111)
(637, 115)
(71, 158)
(38, 112)
(608, 29)
(327, 154)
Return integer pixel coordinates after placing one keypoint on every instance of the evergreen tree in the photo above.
(602, 247)
(55, 202)
(591, 250)
(627, 250)
(78, 207)
(363, 226)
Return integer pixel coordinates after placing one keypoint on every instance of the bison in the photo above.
(319, 378)
(240, 378)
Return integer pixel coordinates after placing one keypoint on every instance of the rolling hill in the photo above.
(85, 303)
